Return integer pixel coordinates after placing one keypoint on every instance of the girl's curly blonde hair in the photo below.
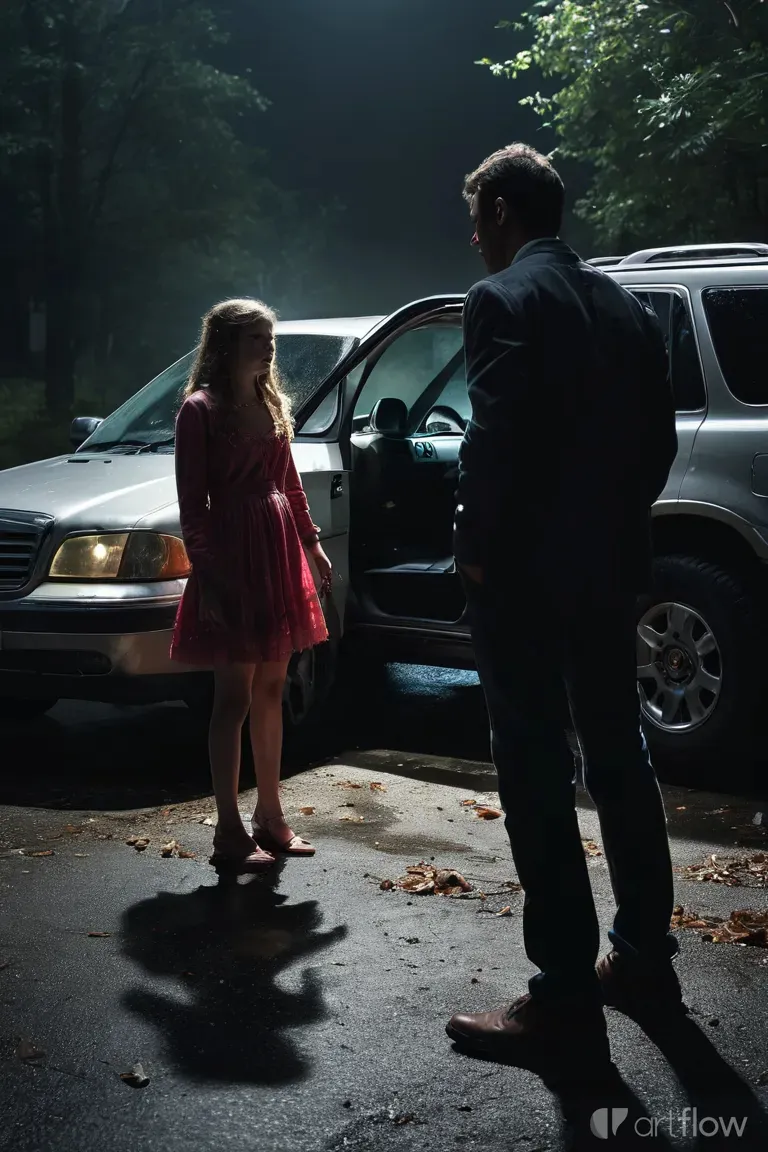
(216, 353)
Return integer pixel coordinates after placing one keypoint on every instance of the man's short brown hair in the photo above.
(529, 184)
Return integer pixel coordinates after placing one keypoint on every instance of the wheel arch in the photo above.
(718, 540)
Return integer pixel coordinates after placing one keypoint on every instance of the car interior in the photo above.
(407, 426)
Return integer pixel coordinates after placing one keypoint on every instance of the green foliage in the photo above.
(668, 104)
(126, 160)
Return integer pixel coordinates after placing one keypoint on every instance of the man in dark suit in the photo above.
(571, 441)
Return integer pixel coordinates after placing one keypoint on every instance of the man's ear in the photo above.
(502, 211)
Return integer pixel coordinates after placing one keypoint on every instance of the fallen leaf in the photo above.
(681, 808)
(353, 819)
(591, 848)
(183, 854)
(307, 810)
(136, 1078)
(73, 829)
(505, 911)
(487, 813)
(745, 871)
(375, 786)
(26, 1051)
(42, 852)
(425, 879)
(468, 803)
(744, 926)
(208, 822)
(99, 933)
(81, 855)
(346, 784)
(169, 849)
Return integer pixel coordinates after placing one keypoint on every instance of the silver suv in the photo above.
(88, 590)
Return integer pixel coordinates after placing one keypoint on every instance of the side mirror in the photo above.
(83, 427)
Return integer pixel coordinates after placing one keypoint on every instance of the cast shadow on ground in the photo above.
(222, 947)
(710, 1084)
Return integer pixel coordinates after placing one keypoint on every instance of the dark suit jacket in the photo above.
(572, 434)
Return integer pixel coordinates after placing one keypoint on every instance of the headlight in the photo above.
(121, 556)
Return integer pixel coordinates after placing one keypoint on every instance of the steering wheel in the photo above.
(444, 419)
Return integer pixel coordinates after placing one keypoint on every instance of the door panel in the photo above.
(327, 487)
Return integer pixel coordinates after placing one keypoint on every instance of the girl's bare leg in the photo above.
(232, 697)
(266, 724)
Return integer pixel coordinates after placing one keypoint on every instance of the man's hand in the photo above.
(473, 572)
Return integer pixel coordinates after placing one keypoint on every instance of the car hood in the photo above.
(87, 490)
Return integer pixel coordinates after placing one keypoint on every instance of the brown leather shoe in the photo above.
(646, 992)
(538, 1034)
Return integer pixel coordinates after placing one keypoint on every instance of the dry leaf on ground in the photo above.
(744, 926)
(169, 848)
(140, 843)
(591, 848)
(425, 880)
(375, 786)
(487, 813)
(346, 784)
(353, 819)
(27, 1051)
(74, 829)
(136, 1078)
(505, 911)
(183, 854)
(307, 810)
(41, 852)
(100, 934)
(745, 871)
(208, 821)
(468, 803)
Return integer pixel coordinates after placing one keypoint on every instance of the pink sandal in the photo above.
(256, 861)
(295, 846)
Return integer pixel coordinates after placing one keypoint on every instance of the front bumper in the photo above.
(110, 644)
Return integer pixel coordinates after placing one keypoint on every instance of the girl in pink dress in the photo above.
(250, 601)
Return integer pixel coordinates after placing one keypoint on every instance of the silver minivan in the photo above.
(91, 572)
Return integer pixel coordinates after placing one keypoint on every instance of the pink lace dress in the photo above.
(244, 516)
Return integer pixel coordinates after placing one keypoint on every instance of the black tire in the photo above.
(22, 711)
(310, 681)
(725, 741)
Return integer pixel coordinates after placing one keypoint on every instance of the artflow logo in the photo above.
(605, 1122)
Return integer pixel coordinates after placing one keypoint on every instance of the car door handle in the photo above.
(337, 487)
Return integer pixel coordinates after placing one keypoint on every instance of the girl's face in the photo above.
(256, 348)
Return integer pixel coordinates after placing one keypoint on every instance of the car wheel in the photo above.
(697, 667)
(23, 710)
(310, 680)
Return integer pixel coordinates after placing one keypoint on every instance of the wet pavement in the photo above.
(305, 1010)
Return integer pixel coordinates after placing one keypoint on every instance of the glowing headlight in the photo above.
(121, 556)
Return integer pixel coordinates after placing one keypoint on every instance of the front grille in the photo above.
(21, 534)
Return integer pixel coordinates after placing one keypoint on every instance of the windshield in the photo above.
(304, 360)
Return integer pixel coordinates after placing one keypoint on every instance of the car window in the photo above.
(304, 360)
(410, 364)
(684, 365)
(738, 322)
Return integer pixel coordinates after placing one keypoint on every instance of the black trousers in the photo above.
(539, 656)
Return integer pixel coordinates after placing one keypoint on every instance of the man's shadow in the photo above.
(608, 1114)
(223, 946)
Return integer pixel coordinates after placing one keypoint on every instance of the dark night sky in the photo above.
(379, 103)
